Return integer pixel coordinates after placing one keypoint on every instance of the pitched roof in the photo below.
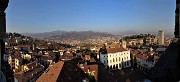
(52, 74)
(32, 65)
(71, 73)
(92, 60)
(28, 75)
(18, 57)
(134, 52)
(93, 67)
(48, 57)
(151, 52)
(114, 50)
(142, 56)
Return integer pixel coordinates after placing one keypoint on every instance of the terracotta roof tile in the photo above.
(91, 68)
(52, 74)
(48, 57)
(71, 73)
(114, 50)
(28, 75)
(142, 56)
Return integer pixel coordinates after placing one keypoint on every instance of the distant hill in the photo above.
(64, 34)
(80, 35)
(130, 32)
(44, 34)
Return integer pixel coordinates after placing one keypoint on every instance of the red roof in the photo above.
(114, 50)
(91, 68)
(30, 74)
(134, 52)
(142, 56)
(48, 57)
(53, 73)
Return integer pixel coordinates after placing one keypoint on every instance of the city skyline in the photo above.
(83, 41)
(102, 16)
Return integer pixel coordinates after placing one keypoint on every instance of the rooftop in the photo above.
(91, 68)
(114, 50)
(52, 73)
(34, 69)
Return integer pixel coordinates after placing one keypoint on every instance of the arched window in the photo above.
(116, 59)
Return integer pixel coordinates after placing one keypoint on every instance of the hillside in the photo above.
(65, 34)
(44, 34)
(80, 35)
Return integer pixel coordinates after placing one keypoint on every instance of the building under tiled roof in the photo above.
(91, 68)
(114, 50)
(26, 76)
(142, 56)
(48, 57)
(52, 74)
(71, 73)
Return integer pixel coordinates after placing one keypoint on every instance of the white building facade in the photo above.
(116, 60)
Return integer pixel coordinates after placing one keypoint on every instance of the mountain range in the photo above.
(80, 34)
(65, 34)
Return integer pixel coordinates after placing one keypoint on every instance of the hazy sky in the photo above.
(111, 16)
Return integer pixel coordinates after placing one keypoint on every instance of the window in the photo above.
(104, 62)
(113, 59)
(127, 58)
(110, 61)
(119, 59)
(116, 59)
(127, 63)
(120, 65)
